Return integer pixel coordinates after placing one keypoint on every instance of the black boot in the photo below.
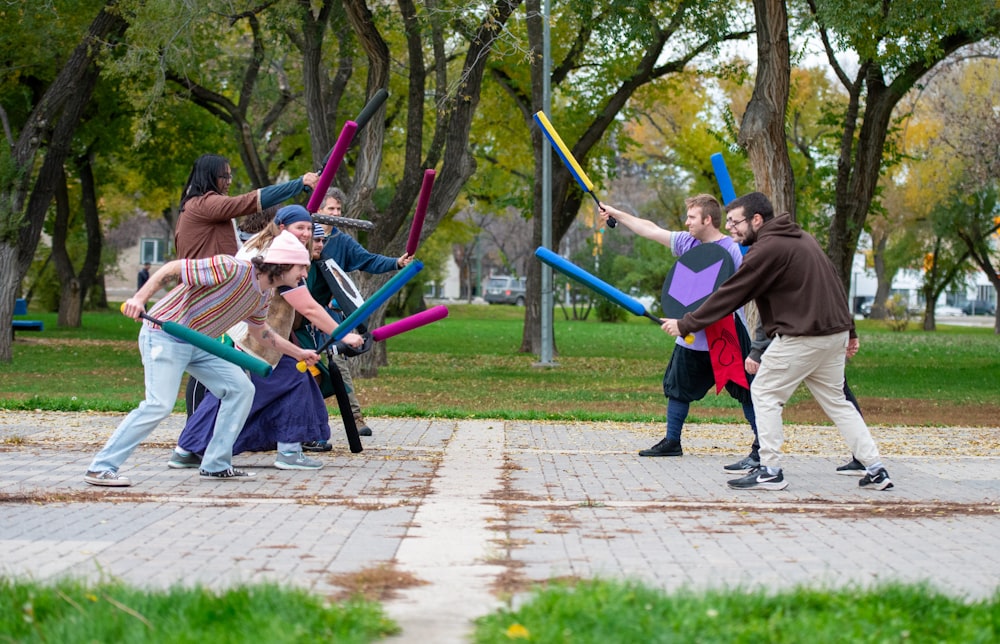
(665, 447)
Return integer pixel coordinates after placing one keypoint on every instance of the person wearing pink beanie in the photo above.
(213, 295)
(288, 407)
(287, 249)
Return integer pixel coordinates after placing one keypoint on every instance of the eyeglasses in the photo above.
(732, 223)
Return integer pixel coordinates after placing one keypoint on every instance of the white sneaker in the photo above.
(107, 478)
(296, 461)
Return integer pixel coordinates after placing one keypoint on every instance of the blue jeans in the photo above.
(165, 360)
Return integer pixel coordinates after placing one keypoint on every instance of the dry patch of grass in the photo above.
(376, 583)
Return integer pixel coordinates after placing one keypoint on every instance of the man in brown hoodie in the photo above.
(803, 308)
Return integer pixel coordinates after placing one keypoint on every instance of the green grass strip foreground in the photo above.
(71, 611)
(609, 611)
(591, 611)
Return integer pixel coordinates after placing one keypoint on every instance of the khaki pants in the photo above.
(819, 362)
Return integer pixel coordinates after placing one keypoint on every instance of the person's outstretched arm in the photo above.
(641, 227)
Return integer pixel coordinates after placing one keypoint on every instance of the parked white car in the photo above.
(948, 312)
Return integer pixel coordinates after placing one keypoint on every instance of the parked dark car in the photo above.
(979, 307)
(504, 289)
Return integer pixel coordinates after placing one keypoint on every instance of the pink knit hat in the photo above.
(287, 249)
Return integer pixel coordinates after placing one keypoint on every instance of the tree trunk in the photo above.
(450, 139)
(857, 180)
(91, 266)
(319, 110)
(982, 255)
(929, 324)
(61, 105)
(69, 285)
(762, 131)
(361, 190)
(73, 284)
(8, 284)
(883, 279)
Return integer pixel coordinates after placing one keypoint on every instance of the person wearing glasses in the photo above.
(206, 225)
(803, 309)
(689, 374)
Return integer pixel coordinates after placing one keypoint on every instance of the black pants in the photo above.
(193, 395)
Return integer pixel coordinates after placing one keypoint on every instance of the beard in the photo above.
(750, 237)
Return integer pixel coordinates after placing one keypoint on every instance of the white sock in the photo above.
(289, 448)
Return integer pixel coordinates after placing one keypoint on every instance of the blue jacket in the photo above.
(352, 256)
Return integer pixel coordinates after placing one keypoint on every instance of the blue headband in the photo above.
(292, 214)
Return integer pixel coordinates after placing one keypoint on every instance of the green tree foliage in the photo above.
(947, 179)
(232, 62)
(601, 55)
(895, 44)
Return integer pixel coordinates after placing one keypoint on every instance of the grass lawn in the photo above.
(70, 612)
(467, 365)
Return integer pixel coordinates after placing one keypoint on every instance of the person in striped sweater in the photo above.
(213, 295)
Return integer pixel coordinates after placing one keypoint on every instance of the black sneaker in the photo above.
(665, 447)
(744, 465)
(226, 475)
(879, 480)
(317, 446)
(854, 468)
(759, 479)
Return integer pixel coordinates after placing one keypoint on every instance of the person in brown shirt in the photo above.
(206, 225)
(803, 309)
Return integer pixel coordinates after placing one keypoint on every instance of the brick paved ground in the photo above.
(481, 509)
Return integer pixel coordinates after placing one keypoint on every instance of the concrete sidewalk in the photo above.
(467, 515)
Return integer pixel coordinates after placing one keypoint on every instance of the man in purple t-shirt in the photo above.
(689, 375)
